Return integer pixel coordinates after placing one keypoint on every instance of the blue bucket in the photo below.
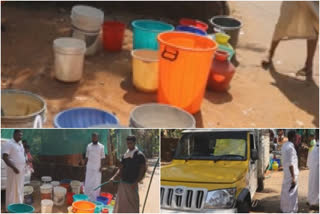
(84, 118)
(102, 199)
(191, 29)
(145, 33)
(80, 197)
(99, 206)
(20, 208)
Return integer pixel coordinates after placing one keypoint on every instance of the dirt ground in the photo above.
(269, 199)
(152, 205)
(257, 98)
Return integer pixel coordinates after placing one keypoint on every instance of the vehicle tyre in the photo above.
(260, 185)
(245, 206)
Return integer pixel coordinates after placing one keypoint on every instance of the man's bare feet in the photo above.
(266, 63)
(305, 72)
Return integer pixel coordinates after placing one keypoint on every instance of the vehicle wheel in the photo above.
(260, 185)
(245, 206)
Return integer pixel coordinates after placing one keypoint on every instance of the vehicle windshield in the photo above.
(213, 146)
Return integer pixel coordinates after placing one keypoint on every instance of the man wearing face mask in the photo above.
(94, 159)
(131, 172)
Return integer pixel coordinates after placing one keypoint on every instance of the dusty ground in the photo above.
(152, 203)
(257, 98)
(269, 199)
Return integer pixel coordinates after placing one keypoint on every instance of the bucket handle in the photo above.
(170, 55)
(37, 122)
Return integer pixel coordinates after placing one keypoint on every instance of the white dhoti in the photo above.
(289, 199)
(93, 180)
(313, 187)
(15, 186)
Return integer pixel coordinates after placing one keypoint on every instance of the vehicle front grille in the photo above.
(182, 198)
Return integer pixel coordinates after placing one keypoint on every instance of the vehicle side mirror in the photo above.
(254, 154)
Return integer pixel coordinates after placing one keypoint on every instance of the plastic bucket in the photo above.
(69, 58)
(91, 40)
(83, 207)
(191, 29)
(155, 115)
(84, 118)
(184, 66)
(145, 69)
(46, 191)
(59, 195)
(103, 199)
(75, 186)
(66, 185)
(46, 179)
(107, 195)
(80, 197)
(46, 206)
(70, 198)
(145, 33)
(22, 109)
(113, 34)
(55, 183)
(86, 25)
(86, 18)
(109, 208)
(20, 208)
(195, 23)
(228, 25)
(99, 206)
(28, 199)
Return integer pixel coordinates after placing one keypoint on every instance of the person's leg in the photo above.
(311, 50)
(268, 61)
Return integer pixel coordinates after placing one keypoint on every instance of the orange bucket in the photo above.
(184, 65)
(83, 207)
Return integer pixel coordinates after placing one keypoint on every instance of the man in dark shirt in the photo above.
(131, 172)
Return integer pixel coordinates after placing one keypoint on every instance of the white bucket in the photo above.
(55, 183)
(46, 179)
(46, 191)
(87, 18)
(86, 24)
(46, 206)
(75, 185)
(69, 58)
(92, 40)
(59, 195)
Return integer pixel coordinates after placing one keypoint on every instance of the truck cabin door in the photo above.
(253, 166)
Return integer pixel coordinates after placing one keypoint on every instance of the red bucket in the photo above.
(70, 198)
(195, 23)
(107, 195)
(113, 33)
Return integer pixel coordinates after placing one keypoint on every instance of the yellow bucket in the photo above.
(145, 69)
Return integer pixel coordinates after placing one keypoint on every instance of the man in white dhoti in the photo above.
(289, 191)
(298, 20)
(13, 156)
(94, 160)
(313, 164)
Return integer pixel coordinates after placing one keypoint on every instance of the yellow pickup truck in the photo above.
(215, 171)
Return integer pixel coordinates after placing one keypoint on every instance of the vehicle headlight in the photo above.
(220, 199)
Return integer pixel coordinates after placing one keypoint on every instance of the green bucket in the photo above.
(20, 208)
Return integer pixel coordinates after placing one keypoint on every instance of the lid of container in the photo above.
(83, 11)
(55, 183)
(60, 189)
(46, 186)
(28, 190)
(69, 45)
(46, 178)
